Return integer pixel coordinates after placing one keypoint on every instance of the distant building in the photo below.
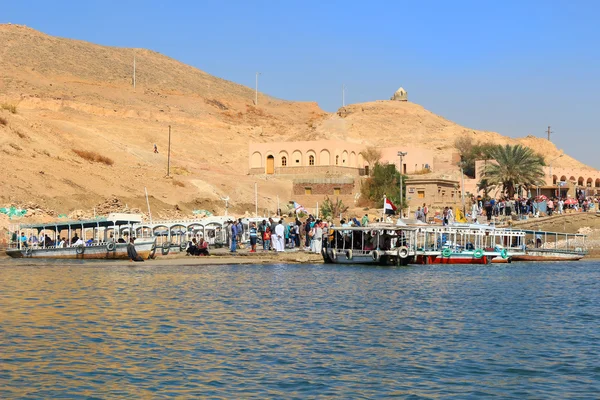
(400, 95)
(326, 158)
(435, 192)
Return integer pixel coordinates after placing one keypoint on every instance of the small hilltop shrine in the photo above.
(400, 95)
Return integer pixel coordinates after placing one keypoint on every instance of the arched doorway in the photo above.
(270, 165)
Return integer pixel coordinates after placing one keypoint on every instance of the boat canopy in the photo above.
(116, 219)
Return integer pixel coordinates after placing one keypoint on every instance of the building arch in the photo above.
(352, 159)
(296, 160)
(361, 160)
(580, 181)
(554, 179)
(270, 165)
(311, 158)
(563, 178)
(597, 184)
(256, 160)
(572, 179)
(589, 182)
(283, 159)
(344, 161)
(324, 157)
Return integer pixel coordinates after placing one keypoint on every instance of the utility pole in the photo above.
(401, 155)
(549, 132)
(169, 153)
(343, 95)
(256, 93)
(256, 199)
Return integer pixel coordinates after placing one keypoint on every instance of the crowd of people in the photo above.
(487, 209)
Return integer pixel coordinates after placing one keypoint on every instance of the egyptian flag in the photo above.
(298, 208)
(389, 207)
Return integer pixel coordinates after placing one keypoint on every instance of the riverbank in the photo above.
(218, 257)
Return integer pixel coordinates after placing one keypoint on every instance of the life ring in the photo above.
(478, 253)
(29, 251)
(446, 252)
(183, 246)
(79, 249)
(110, 246)
(504, 254)
(152, 254)
(165, 248)
(349, 254)
(375, 255)
(403, 252)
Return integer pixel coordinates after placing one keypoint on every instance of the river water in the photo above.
(299, 331)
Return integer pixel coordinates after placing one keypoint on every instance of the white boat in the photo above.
(100, 239)
(380, 244)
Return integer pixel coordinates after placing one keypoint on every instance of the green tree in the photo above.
(332, 209)
(385, 180)
(471, 151)
(514, 165)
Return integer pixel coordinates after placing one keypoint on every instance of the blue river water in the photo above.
(300, 331)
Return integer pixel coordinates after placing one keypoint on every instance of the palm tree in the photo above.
(514, 165)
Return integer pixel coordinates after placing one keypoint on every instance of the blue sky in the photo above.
(514, 67)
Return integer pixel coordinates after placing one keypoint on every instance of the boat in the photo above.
(378, 244)
(552, 246)
(100, 238)
(467, 244)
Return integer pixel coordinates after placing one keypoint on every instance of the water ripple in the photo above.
(299, 331)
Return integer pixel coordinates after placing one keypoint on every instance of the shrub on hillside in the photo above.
(10, 107)
(3, 121)
(93, 157)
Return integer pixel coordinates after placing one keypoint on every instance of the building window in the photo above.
(420, 194)
(337, 191)
(283, 161)
(337, 160)
(307, 190)
(311, 160)
(297, 161)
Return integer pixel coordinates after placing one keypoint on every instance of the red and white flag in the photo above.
(389, 207)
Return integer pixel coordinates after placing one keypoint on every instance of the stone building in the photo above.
(400, 95)
(328, 158)
(435, 192)
(307, 191)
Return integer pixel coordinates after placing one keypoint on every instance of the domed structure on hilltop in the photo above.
(400, 95)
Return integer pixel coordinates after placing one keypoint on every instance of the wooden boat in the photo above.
(466, 244)
(379, 244)
(100, 239)
(552, 246)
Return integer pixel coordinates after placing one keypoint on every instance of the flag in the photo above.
(389, 207)
(298, 208)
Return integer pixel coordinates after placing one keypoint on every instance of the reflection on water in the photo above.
(298, 331)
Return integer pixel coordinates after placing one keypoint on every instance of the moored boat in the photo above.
(99, 239)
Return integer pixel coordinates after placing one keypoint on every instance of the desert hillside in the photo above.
(71, 97)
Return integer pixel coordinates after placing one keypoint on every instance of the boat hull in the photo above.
(547, 256)
(145, 249)
(453, 259)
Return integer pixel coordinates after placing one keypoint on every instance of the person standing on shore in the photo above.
(280, 236)
(253, 237)
(233, 236)
(267, 239)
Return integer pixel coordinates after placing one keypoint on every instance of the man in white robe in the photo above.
(279, 237)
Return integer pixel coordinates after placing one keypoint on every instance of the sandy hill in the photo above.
(72, 96)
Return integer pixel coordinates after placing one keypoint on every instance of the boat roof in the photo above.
(532, 232)
(374, 227)
(104, 222)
